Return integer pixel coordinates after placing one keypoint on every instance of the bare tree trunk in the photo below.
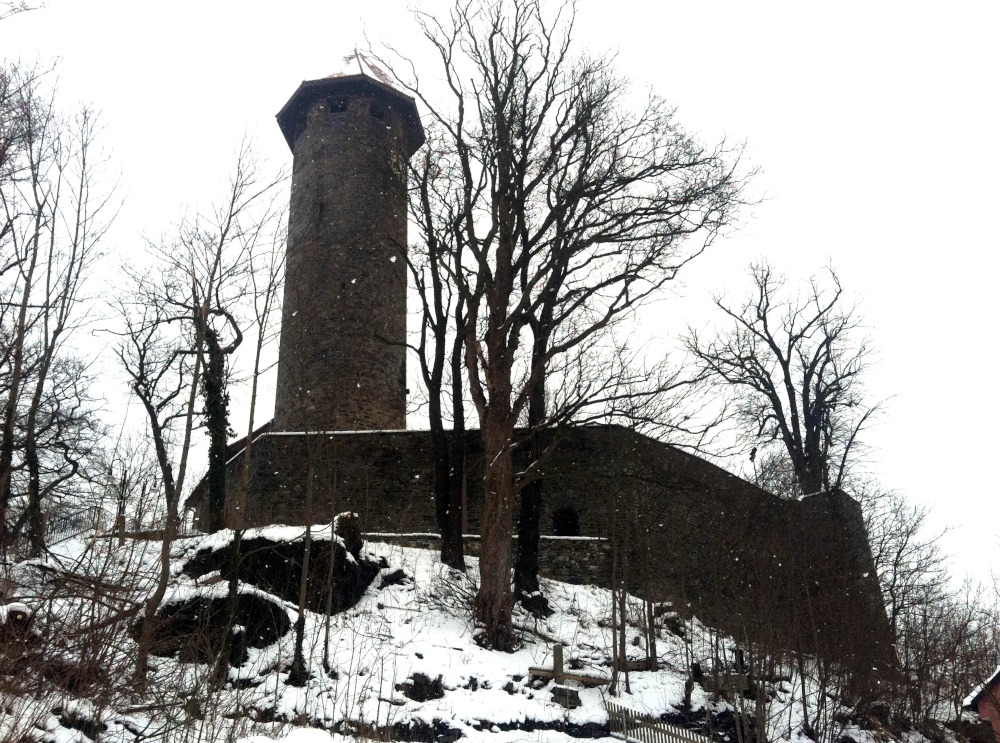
(13, 397)
(526, 584)
(442, 307)
(495, 600)
(452, 540)
(224, 657)
(452, 543)
(448, 454)
(169, 532)
(619, 599)
(623, 620)
(800, 661)
(171, 490)
(36, 522)
(299, 673)
(441, 461)
(550, 193)
(651, 650)
(616, 663)
(329, 584)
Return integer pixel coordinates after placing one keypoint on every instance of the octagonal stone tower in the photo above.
(342, 363)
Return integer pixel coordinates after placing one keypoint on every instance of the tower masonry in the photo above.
(342, 360)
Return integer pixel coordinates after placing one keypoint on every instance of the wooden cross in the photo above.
(558, 672)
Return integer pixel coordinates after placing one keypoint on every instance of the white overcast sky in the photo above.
(874, 124)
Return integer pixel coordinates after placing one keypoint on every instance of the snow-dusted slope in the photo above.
(361, 661)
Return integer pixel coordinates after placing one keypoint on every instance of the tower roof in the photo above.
(360, 84)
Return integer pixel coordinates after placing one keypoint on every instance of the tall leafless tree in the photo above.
(13, 7)
(266, 276)
(432, 261)
(163, 377)
(180, 325)
(910, 565)
(567, 209)
(53, 213)
(794, 367)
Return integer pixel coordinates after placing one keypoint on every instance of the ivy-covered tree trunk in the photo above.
(217, 424)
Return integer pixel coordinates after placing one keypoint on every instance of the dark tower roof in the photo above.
(292, 113)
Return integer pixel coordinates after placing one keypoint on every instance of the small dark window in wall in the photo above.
(377, 111)
(565, 522)
(337, 105)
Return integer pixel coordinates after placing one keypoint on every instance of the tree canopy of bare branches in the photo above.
(565, 208)
(13, 7)
(183, 320)
(793, 365)
(53, 214)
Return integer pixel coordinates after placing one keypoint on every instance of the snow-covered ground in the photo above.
(360, 662)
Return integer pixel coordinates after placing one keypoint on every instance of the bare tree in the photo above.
(163, 378)
(910, 565)
(180, 325)
(53, 214)
(266, 274)
(602, 380)
(216, 257)
(946, 645)
(204, 287)
(440, 346)
(793, 366)
(946, 636)
(567, 210)
(773, 472)
(13, 7)
(129, 496)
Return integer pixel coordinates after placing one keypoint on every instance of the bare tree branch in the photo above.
(564, 210)
(792, 368)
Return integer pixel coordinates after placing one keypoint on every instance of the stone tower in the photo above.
(342, 363)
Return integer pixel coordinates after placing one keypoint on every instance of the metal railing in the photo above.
(67, 525)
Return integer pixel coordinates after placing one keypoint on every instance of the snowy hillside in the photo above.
(400, 664)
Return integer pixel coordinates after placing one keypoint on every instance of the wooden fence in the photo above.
(628, 725)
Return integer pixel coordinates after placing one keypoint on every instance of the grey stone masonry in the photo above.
(342, 362)
(680, 528)
(690, 532)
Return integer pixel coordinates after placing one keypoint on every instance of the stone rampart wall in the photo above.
(690, 532)
(578, 560)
